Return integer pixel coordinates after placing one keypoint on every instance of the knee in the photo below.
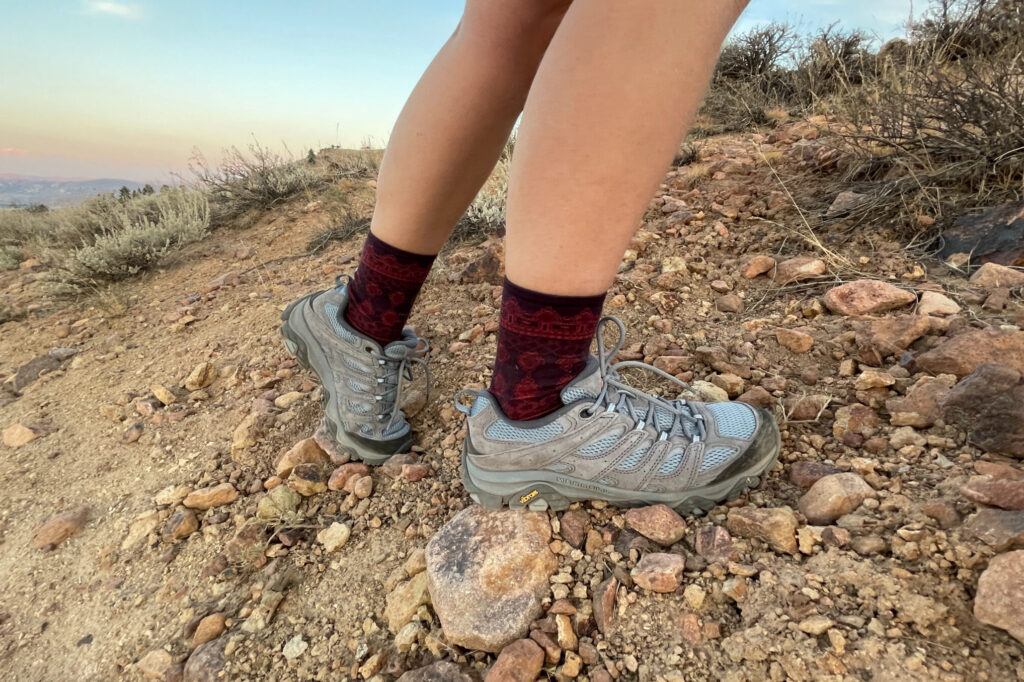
(534, 16)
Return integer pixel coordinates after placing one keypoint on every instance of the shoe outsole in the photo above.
(344, 443)
(542, 495)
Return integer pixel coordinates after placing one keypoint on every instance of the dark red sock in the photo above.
(543, 344)
(384, 289)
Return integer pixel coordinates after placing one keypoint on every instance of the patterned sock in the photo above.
(384, 288)
(543, 344)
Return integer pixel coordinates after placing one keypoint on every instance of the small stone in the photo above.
(363, 487)
(690, 629)
(155, 665)
(206, 663)
(210, 497)
(405, 600)
(171, 495)
(60, 527)
(280, 502)
(520, 661)
(334, 536)
(873, 378)
(409, 636)
(294, 647)
(921, 406)
(729, 303)
(775, 526)
(471, 562)
(658, 523)
(438, 671)
(708, 392)
(1000, 597)
(855, 420)
(342, 474)
(866, 297)
(140, 528)
(566, 636)
(572, 666)
(815, 625)
(934, 303)
(794, 340)
(1005, 494)
(804, 474)
(735, 588)
(868, 544)
(306, 451)
(200, 377)
(181, 524)
(845, 202)
(798, 270)
(163, 394)
(307, 479)
(208, 629)
(694, 596)
(288, 399)
(758, 397)
(944, 513)
(17, 435)
(715, 544)
(834, 496)
(575, 524)
(993, 276)
(673, 364)
(604, 604)
(758, 265)
(659, 572)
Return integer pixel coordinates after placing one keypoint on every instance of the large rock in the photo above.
(657, 522)
(890, 336)
(866, 297)
(993, 276)
(1005, 494)
(405, 600)
(487, 573)
(961, 354)
(995, 235)
(520, 661)
(989, 404)
(834, 496)
(1000, 597)
(920, 407)
(206, 664)
(999, 529)
(798, 270)
(777, 526)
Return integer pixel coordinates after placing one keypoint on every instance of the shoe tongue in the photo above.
(585, 386)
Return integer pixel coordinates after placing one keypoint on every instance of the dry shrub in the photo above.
(486, 215)
(256, 179)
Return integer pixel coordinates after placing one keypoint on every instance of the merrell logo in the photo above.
(528, 496)
(578, 484)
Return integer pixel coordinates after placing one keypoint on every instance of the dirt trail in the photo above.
(96, 604)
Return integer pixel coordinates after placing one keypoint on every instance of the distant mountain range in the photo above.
(26, 190)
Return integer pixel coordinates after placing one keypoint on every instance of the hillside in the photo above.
(155, 418)
(28, 190)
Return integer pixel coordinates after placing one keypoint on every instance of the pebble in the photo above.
(794, 340)
(156, 665)
(17, 435)
(210, 497)
(603, 604)
(776, 526)
(715, 544)
(659, 572)
(280, 502)
(834, 496)
(334, 536)
(306, 451)
(657, 522)
(181, 524)
(438, 671)
(694, 596)
(307, 479)
(520, 661)
(729, 303)
(816, 625)
(140, 528)
(206, 663)
(1000, 597)
(294, 647)
(171, 495)
(934, 303)
(163, 394)
(574, 525)
(288, 399)
(866, 297)
(341, 475)
(404, 601)
(471, 561)
(804, 474)
(208, 629)
(200, 377)
(60, 527)
(798, 270)
(758, 265)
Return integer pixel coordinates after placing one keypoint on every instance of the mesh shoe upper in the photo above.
(615, 435)
(366, 379)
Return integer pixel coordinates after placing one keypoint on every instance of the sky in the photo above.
(129, 89)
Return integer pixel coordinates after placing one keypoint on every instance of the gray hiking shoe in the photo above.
(362, 382)
(615, 443)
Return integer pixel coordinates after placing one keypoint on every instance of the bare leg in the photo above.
(616, 91)
(457, 120)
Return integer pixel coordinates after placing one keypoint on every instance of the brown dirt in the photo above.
(89, 609)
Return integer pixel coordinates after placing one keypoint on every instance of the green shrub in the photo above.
(10, 257)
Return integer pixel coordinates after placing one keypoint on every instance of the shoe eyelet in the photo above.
(586, 413)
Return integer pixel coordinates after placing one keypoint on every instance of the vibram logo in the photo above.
(528, 496)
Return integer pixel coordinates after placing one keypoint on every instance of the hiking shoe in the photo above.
(362, 382)
(615, 443)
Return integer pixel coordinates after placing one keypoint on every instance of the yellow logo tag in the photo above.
(528, 496)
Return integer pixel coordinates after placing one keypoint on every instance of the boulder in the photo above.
(487, 573)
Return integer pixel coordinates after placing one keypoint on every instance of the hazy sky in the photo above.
(127, 89)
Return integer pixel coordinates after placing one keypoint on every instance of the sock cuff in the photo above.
(382, 248)
(512, 290)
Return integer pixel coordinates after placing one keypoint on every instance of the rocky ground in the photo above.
(169, 512)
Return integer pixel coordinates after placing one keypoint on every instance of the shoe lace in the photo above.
(397, 371)
(617, 396)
